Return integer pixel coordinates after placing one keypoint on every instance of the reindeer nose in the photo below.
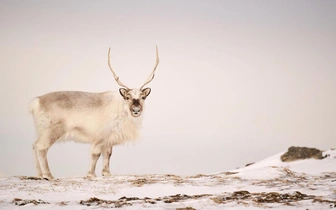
(136, 109)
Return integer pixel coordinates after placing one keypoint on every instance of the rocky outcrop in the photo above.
(300, 153)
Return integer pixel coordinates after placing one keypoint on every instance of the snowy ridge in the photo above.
(264, 168)
(304, 184)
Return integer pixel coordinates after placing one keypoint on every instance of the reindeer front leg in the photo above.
(107, 152)
(96, 149)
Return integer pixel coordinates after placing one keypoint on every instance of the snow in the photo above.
(303, 184)
(268, 167)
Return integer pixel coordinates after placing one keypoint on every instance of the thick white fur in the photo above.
(111, 123)
(103, 124)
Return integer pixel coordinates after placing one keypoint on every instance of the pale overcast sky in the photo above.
(238, 81)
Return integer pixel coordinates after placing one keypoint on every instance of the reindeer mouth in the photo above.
(136, 114)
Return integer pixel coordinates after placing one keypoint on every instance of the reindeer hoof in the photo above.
(91, 175)
(106, 174)
(48, 177)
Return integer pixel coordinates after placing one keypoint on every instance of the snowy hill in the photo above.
(303, 184)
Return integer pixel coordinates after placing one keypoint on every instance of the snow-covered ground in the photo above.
(270, 183)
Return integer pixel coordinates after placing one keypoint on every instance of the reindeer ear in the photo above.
(146, 92)
(123, 92)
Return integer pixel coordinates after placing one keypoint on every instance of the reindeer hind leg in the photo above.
(37, 163)
(41, 150)
(46, 140)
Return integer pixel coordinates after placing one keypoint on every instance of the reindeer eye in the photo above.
(143, 98)
(127, 98)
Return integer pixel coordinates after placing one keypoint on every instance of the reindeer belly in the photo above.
(85, 128)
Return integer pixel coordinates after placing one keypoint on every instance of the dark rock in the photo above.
(249, 164)
(300, 153)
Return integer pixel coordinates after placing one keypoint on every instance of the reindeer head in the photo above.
(135, 98)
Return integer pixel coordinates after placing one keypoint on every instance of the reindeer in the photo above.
(101, 119)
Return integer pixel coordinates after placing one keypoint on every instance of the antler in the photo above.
(114, 74)
(151, 76)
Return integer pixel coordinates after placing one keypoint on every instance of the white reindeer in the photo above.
(102, 119)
